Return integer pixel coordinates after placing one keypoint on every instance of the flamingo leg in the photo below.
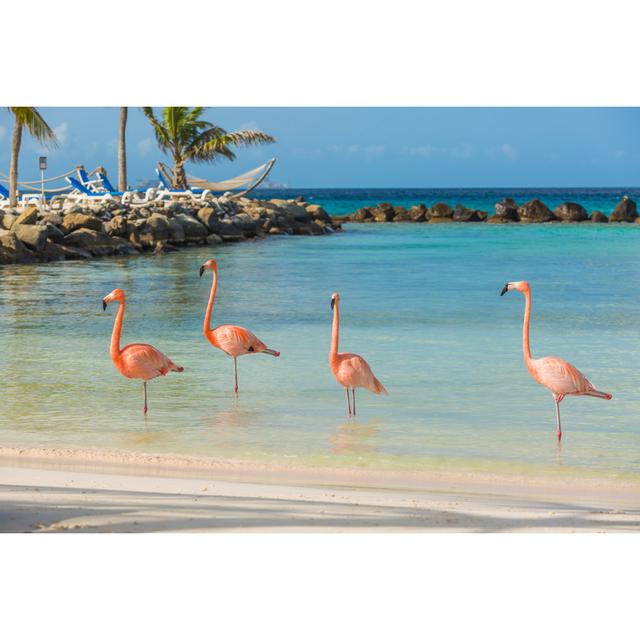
(348, 401)
(144, 410)
(353, 393)
(558, 400)
(235, 376)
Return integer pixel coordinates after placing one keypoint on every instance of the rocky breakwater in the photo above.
(29, 234)
(506, 211)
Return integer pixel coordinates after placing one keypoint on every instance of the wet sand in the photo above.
(49, 490)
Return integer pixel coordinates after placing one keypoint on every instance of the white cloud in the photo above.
(353, 148)
(509, 151)
(373, 151)
(422, 150)
(463, 150)
(144, 146)
(62, 132)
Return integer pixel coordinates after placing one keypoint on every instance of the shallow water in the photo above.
(420, 302)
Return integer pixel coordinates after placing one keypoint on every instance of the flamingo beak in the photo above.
(201, 270)
(333, 303)
(104, 305)
(504, 289)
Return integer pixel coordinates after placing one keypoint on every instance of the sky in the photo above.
(369, 146)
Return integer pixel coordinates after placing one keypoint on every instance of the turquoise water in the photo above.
(420, 302)
(343, 201)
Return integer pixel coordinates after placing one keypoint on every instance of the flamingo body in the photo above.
(558, 375)
(233, 340)
(136, 360)
(350, 369)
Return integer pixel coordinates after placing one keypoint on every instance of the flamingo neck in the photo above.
(114, 349)
(335, 332)
(526, 349)
(207, 315)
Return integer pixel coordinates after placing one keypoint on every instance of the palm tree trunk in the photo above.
(13, 167)
(179, 174)
(122, 150)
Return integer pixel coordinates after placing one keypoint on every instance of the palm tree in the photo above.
(30, 118)
(122, 150)
(182, 134)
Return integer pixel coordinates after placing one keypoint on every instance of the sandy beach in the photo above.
(54, 490)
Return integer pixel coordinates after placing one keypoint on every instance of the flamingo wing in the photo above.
(354, 371)
(561, 376)
(234, 340)
(144, 361)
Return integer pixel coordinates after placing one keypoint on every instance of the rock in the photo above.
(98, 243)
(14, 250)
(417, 213)
(28, 216)
(209, 218)
(176, 232)
(34, 236)
(245, 223)
(505, 211)
(625, 211)
(148, 232)
(318, 213)
(194, 230)
(214, 238)
(73, 221)
(7, 220)
(228, 232)
(53, 233)
(598, 216)
(535, 211)
(384, 212)
(361, 215)
(117, 226)
(462, 214)
(570, 212)
(440, 212)
(163, 247)
(297, 211)
(50, 217)
(276, 231)
(52, 251)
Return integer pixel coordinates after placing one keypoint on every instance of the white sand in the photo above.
(44, 490)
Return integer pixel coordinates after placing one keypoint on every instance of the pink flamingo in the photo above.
(136, 360)
(234, 341)
(350, 369)
(559, 376)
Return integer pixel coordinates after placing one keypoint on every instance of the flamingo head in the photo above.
(335, 299)
(116, 294)
(522, 286)
(209, 264)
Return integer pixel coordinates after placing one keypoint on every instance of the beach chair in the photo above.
(80, 192)
(127, 197)
(165, 190)
(25, 198)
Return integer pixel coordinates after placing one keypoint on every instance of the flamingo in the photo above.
(350, 369)
(233, 340)
(559, 376)
(136, 360)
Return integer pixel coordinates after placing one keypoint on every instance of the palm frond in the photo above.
(31, 118)
(160, 131)
(217, 142)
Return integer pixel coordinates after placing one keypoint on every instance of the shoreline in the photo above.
(45, 489)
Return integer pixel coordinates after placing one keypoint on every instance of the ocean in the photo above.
(420, 302)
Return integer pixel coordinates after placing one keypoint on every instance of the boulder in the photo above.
(163, 247)
(208, 217)
(295, 210)
(194, 230)
(462, 214)
(53, 233)
(117, 226)
(33, 235)
(214, 238)
(440, 212)
(598, 216)
(245, 223)
(148, 232)
(98, 243)
(14, 250)
(625, 211)
(417, 213)
(73, 221)
(535, 211)
(505, 211)
(361, 215)
(7, 220)
(318, 213)
(52, 251)
(50, 217)
(28, 216)
(384, 212)
(229, 232)
(570, 212)
(176, 232)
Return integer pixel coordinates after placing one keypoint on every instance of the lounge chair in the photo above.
(25, 198)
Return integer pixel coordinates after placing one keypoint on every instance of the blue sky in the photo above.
(372, 147)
